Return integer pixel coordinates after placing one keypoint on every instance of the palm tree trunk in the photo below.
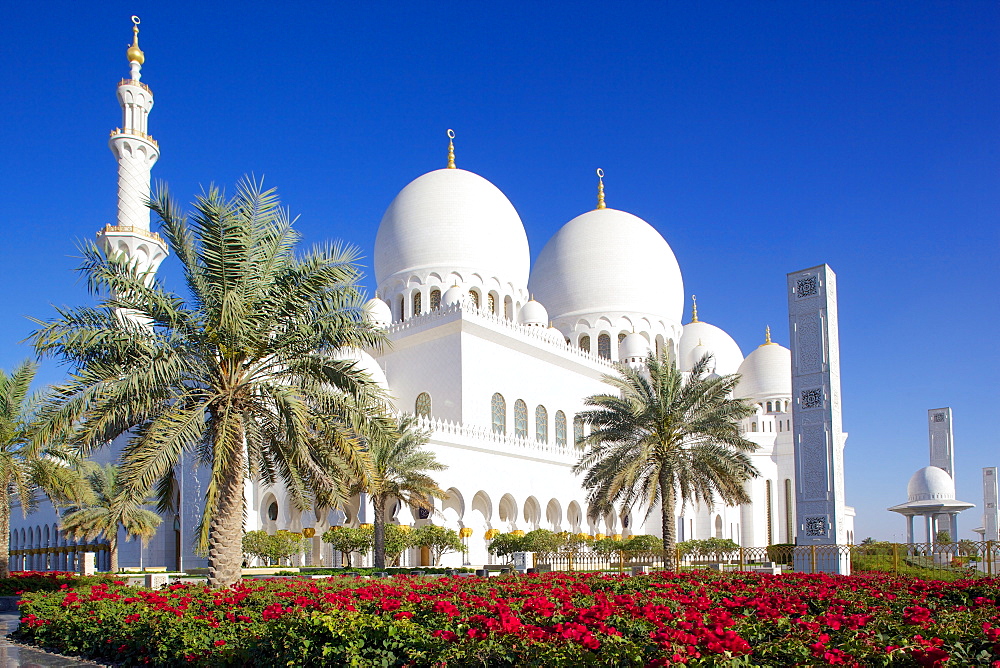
(4, 534)
(667, 522)
(379, 527)
(225, 529)
(113, 550)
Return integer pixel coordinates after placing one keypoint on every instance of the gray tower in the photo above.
(816, 419)
(940, 440)
(991, 520)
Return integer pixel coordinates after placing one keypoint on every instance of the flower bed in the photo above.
(28, 581)
(553, 619)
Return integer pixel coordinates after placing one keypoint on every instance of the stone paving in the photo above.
(12, 655)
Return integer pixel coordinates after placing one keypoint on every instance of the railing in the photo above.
(133, 82)
(135, 133)
(122, 229)
(505, 443)
(965, 559)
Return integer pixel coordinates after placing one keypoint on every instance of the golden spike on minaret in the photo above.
(451, 149)
(134, 52)
(767, 337)
(694, 308)
(600, 189)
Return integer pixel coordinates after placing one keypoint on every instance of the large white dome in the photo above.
(931, 484)
(452, 220)
(701, 337)
(766, 372)
(608, 261)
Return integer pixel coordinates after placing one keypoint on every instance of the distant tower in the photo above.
(991, 513)
(136, 152)
(818, 439)
(940, 440)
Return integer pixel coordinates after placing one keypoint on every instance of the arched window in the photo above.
(541, 425)
(416, 303)
(435, 299)
(499, 414)
(560, 429)
(423, 405)
(769, 407)
(753, 426)
(585, 343)
(621, 337)
(578, 432)
(520, 419)
(491, 302)
(604, 346)
(474, 296)
(402, 309)
(767, 509)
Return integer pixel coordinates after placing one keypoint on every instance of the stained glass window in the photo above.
(423, 405)
(520, 419)
(578, 432)
(585, 343)
(789, 531)
(491, 300)
(768, 505)
(560, 429)
(474, 296)
(402, 309)
(621, 337)
(541, 425)
(604, 346)
(435, 298)
(499, 414)
(416, 303)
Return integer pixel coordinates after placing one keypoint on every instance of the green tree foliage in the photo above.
(102, 516)
(665, 439)
(400, 466)
(506, 544)
(708, 547)
(273, 548)
(438, 540)
(28, 465)
(350, 541)
(249, 372)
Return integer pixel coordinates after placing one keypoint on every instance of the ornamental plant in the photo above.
(438, 540)
(557, 619)
(273, 548)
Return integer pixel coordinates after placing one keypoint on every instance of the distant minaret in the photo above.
(136, 152)
(941, 440)
(991, 513)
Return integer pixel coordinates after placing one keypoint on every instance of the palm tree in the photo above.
(252, 373)
(101, 517)
(27, 466)
(400, 466)
(666, 439)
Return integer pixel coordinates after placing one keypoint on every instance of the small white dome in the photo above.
(452, 220)
(366, 363)
(453, 295)
(930, 484)
(765, 373)
(633, 346)
(608, 261)
(378, 313)
(533, 313)
(699, 338)
(554, 335)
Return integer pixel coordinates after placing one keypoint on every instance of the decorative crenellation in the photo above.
(527, 333)
(501, 443)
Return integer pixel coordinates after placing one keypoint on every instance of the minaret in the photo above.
(136, 152)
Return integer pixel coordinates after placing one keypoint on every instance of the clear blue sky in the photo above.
(758, 138)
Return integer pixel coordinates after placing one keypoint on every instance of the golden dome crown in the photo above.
(135, 54)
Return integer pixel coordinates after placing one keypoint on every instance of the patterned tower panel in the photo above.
(816, 414)
(940, 440)
(991, 512)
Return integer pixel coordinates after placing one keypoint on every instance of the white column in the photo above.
(818, 439)
(909, 529)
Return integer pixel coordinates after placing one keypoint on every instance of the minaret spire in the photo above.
(600, 189)
(451, 149)
(694, 308)
(136, 152)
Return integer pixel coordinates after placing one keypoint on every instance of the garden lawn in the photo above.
(556, 619)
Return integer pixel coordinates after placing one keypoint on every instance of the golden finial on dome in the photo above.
(134, 53)
(694, 308)
(767, 336)
(451, 149)
(600, 189)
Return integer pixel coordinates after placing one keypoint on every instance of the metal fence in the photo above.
(928, 560)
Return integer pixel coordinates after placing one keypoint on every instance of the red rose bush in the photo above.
(664, 619)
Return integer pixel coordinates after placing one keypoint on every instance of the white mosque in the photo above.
(496, 355)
